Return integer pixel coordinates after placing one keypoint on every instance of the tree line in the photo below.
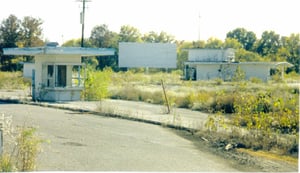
(269, 47)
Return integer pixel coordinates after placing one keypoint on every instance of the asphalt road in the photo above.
(84, 142)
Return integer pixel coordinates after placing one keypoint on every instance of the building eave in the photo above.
(59, 51)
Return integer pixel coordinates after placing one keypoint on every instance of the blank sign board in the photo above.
(156, 55)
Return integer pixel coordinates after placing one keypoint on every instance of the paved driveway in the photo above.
(84, 142)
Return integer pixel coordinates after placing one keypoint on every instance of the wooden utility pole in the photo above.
(82, 20)
(166, 98)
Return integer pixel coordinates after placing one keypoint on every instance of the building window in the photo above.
(61, 76)
(78, 74)
(50, 78)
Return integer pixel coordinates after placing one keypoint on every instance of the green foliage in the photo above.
(246, 38)
(255, 80)
(214, 43)
(243, 55)
(129, 34)
(101, 36)
(28, 146)
(232, 43)
(12, 80)
(31, 32)
(23, 156)
(6, 164)
(96, 84)
(270, 111)
(18, 33)
(218, 81)
(268, 44)
(161, 37)
(239, 75)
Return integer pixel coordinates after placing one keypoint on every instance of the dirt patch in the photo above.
(240, 159)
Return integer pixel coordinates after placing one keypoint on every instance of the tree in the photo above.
(129, 34)
(246, 38)
(246, 56)
(32, 32)
(162, 37)
(72, 43)
(76, 43)
(151, 37)
(291, 50)
(232, 43)
(268, 44)
(101, 36)
(214, 43)
(10, 32)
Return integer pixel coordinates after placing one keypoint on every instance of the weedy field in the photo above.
(268, 111)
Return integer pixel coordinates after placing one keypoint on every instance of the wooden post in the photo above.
(166, 98)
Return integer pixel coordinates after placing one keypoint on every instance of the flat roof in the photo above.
(59, 51)
(242, 63)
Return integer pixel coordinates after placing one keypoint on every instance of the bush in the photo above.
(13, 80)
(96, 84)
(6, 164)
(23, 157)
(255, 80)
(27, 149)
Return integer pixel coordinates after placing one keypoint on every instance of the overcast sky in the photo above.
(176, 17)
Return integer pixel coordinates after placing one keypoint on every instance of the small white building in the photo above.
(58, 72)
(206, 64)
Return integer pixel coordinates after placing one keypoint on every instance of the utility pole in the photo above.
(199, 27)
(82, 20)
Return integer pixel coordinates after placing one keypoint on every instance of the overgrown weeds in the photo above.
(23, 147)
(24, 153)
(265, 110)
(13, 80)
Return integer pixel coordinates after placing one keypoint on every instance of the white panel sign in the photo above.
(156, 55)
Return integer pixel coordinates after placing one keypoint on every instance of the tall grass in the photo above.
(13, 80)
(268, 109)
(24, 153)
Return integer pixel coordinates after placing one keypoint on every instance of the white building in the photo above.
(206, 64)
(58, 72)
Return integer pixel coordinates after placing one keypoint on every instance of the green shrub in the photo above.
(13, 80)
(255, 80)
(96, 84)
(219, 81)
(28, 146)
(23, 157)
(6, 164)
(184, 101)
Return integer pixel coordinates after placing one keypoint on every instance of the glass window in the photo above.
(77, 76)
(61, 76)
(50, 79)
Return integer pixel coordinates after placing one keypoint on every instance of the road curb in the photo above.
(112, 115)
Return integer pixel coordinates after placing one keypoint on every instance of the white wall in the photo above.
(257, 70)
(210, 55)
(27, 70)
(41, 75)
(156, 55)
(207, 71)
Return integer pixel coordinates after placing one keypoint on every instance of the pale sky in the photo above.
(176, 17)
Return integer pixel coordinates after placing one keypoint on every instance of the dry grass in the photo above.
(12, 80)
(270, 156)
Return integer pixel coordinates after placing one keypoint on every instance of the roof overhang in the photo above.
(270, 64)
(59, 51)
